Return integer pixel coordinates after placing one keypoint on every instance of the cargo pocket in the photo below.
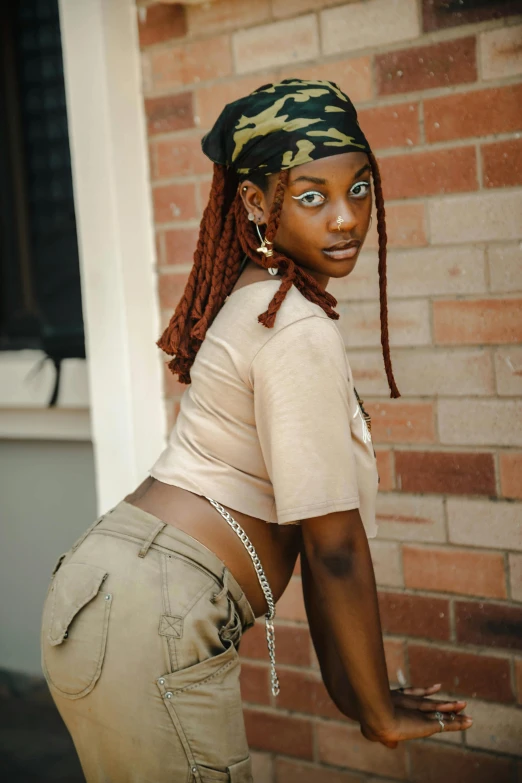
(204, 703)
(236, 773)
(241, 772)
(232, 631)
(74, 629)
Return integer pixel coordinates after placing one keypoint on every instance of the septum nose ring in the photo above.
(339, 222)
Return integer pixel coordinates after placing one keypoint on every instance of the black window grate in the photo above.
(40, 304)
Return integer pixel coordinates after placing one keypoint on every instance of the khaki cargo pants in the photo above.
(140, 631)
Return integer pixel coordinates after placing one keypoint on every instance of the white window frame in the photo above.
(109, 153)
(26, 384)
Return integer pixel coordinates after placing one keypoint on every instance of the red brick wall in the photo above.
(440, 95)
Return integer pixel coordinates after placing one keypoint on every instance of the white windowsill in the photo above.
(25, 391)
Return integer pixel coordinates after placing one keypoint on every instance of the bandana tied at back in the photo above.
(282, 125)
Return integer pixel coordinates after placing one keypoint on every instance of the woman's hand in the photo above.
(417, 699)
(417, 717)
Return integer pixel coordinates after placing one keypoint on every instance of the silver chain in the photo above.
(265, 587)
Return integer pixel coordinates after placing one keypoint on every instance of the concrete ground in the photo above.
(35, 746)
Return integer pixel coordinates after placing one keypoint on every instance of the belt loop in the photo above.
(150, 540)
(224, 589)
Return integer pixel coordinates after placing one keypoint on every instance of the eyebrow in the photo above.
(366, 167)
(318, 181)
(315, 180)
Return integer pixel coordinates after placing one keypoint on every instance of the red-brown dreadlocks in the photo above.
(383, 299)
(225, 236)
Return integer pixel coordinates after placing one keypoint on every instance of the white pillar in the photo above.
(116, 239)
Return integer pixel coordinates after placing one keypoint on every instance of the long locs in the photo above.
(383, 298)
(225, 236)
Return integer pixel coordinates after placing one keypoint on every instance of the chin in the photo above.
(342, 270)
(326, 268)
(337, 269)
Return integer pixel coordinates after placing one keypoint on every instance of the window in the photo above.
(40, 295)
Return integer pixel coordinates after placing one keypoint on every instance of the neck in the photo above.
(322, 280)
(253, 273)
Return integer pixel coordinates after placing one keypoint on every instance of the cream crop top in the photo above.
(270, 425)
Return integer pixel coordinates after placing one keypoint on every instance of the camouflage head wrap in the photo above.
(282, 125)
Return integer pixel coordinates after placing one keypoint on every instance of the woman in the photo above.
(270, 457)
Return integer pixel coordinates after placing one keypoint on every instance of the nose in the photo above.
(345, 220)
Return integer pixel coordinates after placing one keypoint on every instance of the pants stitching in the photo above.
(168, 642)
(184, 741)
(161, 549)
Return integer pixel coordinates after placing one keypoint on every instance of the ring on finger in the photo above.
(440, 717)
(452, 716)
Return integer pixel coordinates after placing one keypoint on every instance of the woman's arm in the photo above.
(341, 601)
(334, 676)
(338, 567)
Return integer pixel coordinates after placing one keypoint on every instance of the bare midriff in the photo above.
(276, 545)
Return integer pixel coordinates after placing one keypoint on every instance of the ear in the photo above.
(255, 201)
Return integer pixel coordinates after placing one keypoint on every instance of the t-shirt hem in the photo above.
(218, 492)
(317, 509)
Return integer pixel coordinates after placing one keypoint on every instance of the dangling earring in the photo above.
(267, 251)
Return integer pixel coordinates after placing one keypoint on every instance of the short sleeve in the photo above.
(302, 412)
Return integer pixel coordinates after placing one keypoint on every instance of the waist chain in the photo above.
(265, 587)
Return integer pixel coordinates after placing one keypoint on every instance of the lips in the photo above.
(342, 250)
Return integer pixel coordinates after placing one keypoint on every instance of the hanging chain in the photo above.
(265, 587)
